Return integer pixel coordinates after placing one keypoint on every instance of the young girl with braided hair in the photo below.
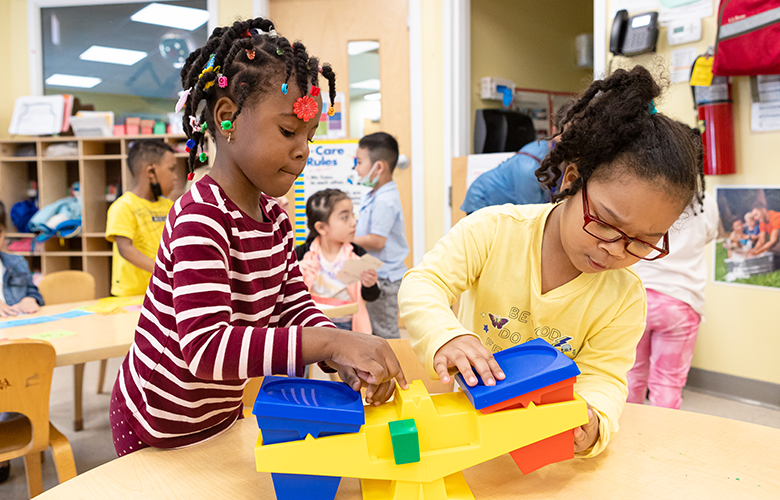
(227, 301)
(561, 271)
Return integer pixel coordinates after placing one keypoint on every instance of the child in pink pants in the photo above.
(675, 300)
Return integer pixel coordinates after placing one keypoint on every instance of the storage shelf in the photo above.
(101, 161)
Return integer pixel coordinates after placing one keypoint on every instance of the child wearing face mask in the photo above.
(331, 222)
(136, 219)
(227, 301)
(561, 271)
(380, 227)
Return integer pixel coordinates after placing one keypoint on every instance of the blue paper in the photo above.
(26, 321)
(76, 313)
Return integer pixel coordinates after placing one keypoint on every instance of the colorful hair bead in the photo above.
(250, 54)
(305, 108)
(331, 111)
(226, 125)
(204, 127)
(183, 99)
(651, 108)
(284, 88)
(190, 176)
(279, 51)
(222, 81)
(190, 143)
(315, 91)
(202, 157)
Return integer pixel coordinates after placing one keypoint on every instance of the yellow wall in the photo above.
(433, 109)
(530, 42)
(739, 335)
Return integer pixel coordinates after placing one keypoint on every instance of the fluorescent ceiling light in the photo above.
(372, 97)
(355, 48)
(84, 82)
(370, 84)
(173, 16)
(111, 55)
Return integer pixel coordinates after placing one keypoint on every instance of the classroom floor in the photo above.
(92, 446)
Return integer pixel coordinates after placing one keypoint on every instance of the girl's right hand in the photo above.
(370, 360)
(462, 353)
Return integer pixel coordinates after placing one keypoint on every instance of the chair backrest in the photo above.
(26, 368)
(67, 286)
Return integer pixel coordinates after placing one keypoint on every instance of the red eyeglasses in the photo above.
(608, 233)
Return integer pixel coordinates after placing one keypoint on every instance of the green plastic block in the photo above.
(406, 442)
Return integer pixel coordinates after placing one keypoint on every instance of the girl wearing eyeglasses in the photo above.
(562, 271)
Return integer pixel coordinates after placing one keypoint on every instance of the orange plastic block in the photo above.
(555, 393)
(545, 452)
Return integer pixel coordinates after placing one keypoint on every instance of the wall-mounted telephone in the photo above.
(633, 35)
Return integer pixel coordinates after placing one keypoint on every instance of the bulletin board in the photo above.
(328, 167)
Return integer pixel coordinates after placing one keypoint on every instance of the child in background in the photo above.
(737, 239)
(331, 221)
(19, 296)
(227, 300)
(561, 272)
(380, 227)
(675, 302)
(752, 229)
(136, 219)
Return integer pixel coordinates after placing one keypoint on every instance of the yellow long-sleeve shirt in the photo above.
(493, 258)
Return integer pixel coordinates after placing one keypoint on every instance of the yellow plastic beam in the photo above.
(453, 436)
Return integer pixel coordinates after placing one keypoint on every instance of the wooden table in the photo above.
(98, 337)
(658, 453)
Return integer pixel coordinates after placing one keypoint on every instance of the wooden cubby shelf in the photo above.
(101, 161)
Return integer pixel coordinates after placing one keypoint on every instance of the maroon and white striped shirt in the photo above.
(226, 303)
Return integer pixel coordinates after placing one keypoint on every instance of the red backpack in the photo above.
(748, 41)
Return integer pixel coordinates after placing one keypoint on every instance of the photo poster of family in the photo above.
(750, 252)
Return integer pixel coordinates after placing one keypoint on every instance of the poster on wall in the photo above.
(332, 127)
(329, 166)
(750, 253)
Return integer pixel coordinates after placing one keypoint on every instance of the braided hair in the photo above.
(614, 126)
(250, 55)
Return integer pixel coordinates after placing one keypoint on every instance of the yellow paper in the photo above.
(114, 305)
(702, 72)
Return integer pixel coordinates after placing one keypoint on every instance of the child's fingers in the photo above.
(463, 364)
(496, 369)
(350, 377)
(396, 371)
(381, 393)
(441, 369)
(484, 370)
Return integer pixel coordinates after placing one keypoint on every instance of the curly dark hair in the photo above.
(613, 128)
(248, 79)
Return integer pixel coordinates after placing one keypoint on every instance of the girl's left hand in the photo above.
(27, 305)
(586, 435)
(369, 278)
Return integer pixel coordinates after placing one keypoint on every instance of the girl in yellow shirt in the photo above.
(561, 272)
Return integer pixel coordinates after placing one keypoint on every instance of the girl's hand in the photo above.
(27, 305)
(586, 435)
(366, 359)
(369, 278)
(462, 353)
(307, 266)
(6, 310)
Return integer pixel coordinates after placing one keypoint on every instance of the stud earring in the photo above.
(226, 125)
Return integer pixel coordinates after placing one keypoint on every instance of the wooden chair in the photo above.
(25, 384)
(73, 286)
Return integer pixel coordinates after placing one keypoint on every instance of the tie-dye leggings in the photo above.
(663, 356)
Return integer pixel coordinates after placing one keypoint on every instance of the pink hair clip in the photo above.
(222, 81)
(305, 108)
(183, 99)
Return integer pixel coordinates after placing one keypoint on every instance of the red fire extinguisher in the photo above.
(716, 123)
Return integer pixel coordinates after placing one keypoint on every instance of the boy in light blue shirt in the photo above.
(380, 228)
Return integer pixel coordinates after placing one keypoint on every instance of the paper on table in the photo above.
(76, 313)
(26, 321)
(54, 334)
(352, 269)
